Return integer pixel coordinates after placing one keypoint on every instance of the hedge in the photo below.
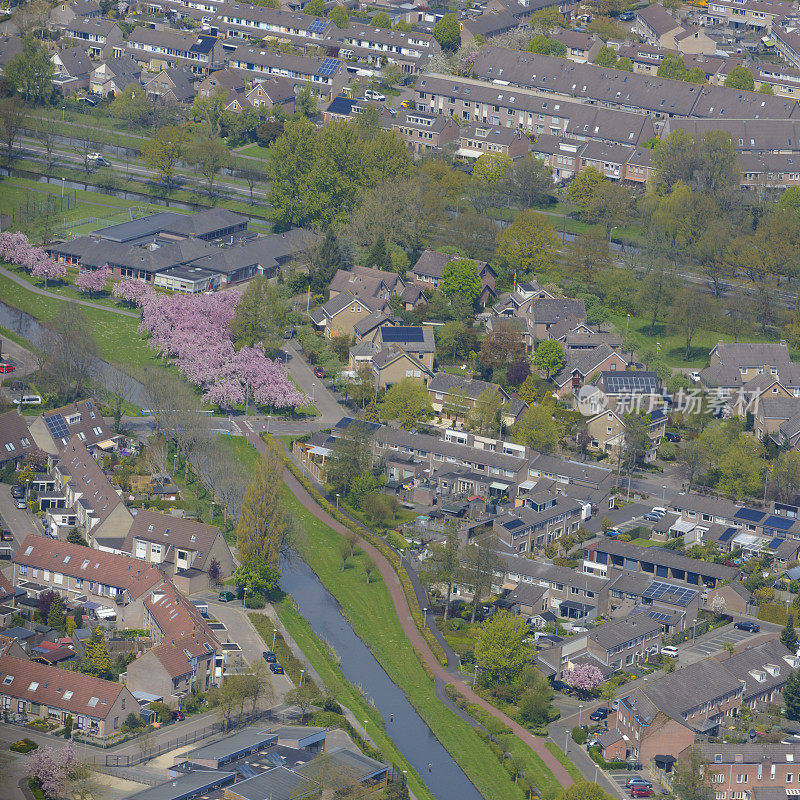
(24, 745)
(772, 612)
(380, 544)
(597, 756)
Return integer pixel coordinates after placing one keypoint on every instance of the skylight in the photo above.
(34, 686)
(8, 680)
(67, 695)
(93, 702)
(28, 550)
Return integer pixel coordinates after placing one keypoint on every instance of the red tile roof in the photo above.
(60, 688)
(178, 618)
(122, 572)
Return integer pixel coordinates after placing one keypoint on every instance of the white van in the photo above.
(669, 651)
(371, 94)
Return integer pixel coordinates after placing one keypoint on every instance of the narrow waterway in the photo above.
(413, 738)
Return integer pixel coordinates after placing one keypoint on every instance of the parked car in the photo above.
(660, 510)
(637, 781)
(20, 504)
(669, 651)
(694, 377)
(651, 517)
(6, 536)
(599, 714)
(226, 597)
(277, 669)
(6, 367)
(319, 372)
(627, 16)
(560, 686)
(17, 492)
(269, 657)
(371, 94)
(640, 790)
(747, 626)
(672, 437)
(178, 716)
(613, 532)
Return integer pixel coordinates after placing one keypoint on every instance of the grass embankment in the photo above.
(324, 662)
(118, 338)
(370, 610)
(574, 772)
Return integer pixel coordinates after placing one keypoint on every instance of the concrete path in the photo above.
(409, 627)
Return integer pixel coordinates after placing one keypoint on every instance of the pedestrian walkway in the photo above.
(408, 625)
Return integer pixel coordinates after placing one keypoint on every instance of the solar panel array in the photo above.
(57, 427)
(728, 534)
(679, 595)
(402, 333)
(750, 514)
(512, 524)
(780, 523)
(776, 543)
(318, 26)
(328, 66)
(630, 382)
(659, 616)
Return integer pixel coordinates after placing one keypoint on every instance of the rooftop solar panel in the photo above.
(727, 534)
(512, 524)
(402, 333)
(57, 427)
(779, 523)
(318, 26)
(680, 595)
(750, 514)
(658, 616)
(328, 66)
(775, 543)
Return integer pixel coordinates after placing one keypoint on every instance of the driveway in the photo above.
(19, 522)
(303, 375)
(630, 516)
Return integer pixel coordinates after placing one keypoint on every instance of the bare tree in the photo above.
(84, 146)
(71, 350)
(46, 131)
(12, 118)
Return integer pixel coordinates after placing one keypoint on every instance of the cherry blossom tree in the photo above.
(91, 281)
(51, 767)
(16, 249)
(46, 267)
(583, 677)
(133, 291)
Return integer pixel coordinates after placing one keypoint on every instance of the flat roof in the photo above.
(138, 228)
(185, 786)
(232, 745)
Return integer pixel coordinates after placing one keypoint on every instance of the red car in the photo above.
(318, 371)
(641, 791)
(7, 367)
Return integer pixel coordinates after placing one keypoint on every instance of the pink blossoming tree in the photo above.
(91, 281)
(15, 248)
(51, 767)
(583, 677)
(133, 291)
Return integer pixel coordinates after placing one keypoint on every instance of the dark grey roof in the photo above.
(539, 571)
(658, 19)
(617, 382)
(621, 631)
(549, 311)
(444, 382)
(363, 767)
(491, 23)
(232, 744)
(749, 753)
(277, 784)
(76, 62)
(189, 784)
(584, 365)
(14, 434)
(755, 659)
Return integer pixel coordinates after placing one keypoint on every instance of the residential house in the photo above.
(625, 642)
(746, 770)
(736, 598)
(186, 655)
(659, 28)
(452, 396)
(273, 92)
(427, 273)
(96, 706)
(581, 367)
(475, 140)
(155, 50)
(647, 59)
(733, 366)
(764, 670)
(630, 391)
(52, 430)
(84, 498)
(487, 25)
(68, 12)
(546, 313)
(366, 282)
(664, 715)
(420, 130)
(183, 548)
(607, 431)
(72, 68)
(16, 441)
(109, 581)
(171, 85)
(581, 47)
(758, 15)
(339, 315)
(786, 36)
(393, 363)
(113, 75)
(100, 38)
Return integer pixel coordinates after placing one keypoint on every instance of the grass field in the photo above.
(118, 338)
(252, 150)
(566, 763)
(370, 610)
(325, 664)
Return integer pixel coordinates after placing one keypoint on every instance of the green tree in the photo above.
(447, 32)
(691, 777)
(371, 412)
(460, 278)
(790, 199)
(260, 316)
(55, 617)
(480, 561)
(673, 66)
(484, 416)
(162, 151)
(443, 565)
(503, 346)
(97, 657)
(340, 17)
(585, 790)
(262, 525)
(208, 153)
(538, 429)
(529, 391)
(30, 72)
(500, 648)
(534, 708)
(76, 537)
(624, 64)
(696, 75)
(785, 475)
(209, 109)
(539, 44)
(606, 57)
(688, 313)
(259, 578)
(765, 88)
(584, 186)
(381, 20)
(316, 8)
(791, 695)
(740, 78)
(351, 456)
(547, 20)
(550, 357)
(788, 634)
(531, 179)
(528, 244)
(636, 440)
(378, 256)
(605, 28)
(407, 400)
(325, 260)
(492, 170)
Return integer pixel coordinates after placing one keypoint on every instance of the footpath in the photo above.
(408, 625)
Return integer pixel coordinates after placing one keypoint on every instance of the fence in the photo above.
(48, 204)
(146, 753)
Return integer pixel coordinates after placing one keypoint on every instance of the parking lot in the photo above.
(690, 653)
(619, 778)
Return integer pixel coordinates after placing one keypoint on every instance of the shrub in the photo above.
(579, 735)
(255, 600)
(24, 745)
(330, 704)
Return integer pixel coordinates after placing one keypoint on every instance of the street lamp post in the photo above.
(425, 611)
(610, 232)
(28, 491)
(269, 417)
(274, 634)
(212, 512)
(595, 772)
(365, 727)
(313, 387)
(337, 501)
(566, 741)
(63, 109)
(580, 715)
(628, 323)
(174, 463)
(244, 601)
(302, 675)
(63, 184)
(663, 492)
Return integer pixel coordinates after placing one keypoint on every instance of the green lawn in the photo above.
(370, 610)
(567, 764)
(644, 542)
(337, 685)
(253, 150)
(118, 338)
